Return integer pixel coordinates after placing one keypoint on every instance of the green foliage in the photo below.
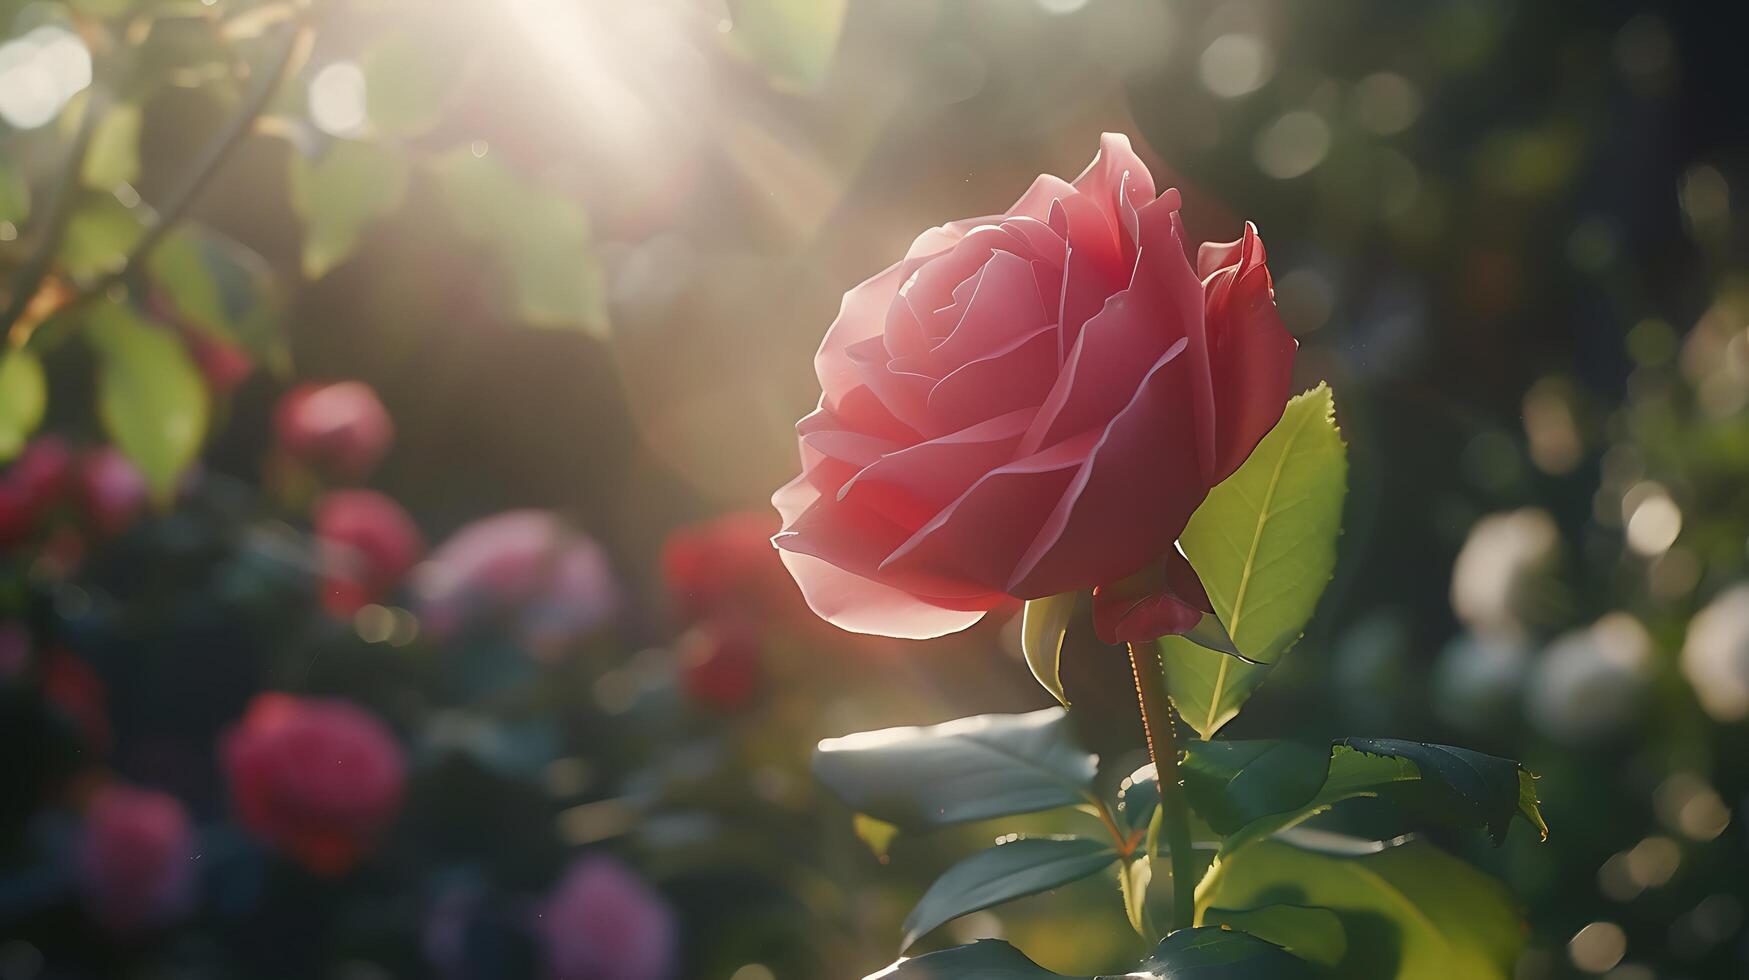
(1410, 911)
(408, 81)
(223, 289)
(792, 40)
(99, 236)
(969, 769)
(541, 240)
(1042, 627)
(1476, 788)
(149, 395)
(24, 393)
(339, 194)
(14, 196)
(1230, 784)
(1264, 545)
(113, 158)
(1313, 934)
(1188, 954)
(1003, 873)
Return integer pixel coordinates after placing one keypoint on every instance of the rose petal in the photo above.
(1250, 354)
(861, 606)
(1019, 376)
(909, 486)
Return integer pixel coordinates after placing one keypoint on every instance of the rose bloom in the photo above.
(341, 430)
(110, 489)
(135, 858)
(320, 779)
(367, 545)
(603, 922)
(550, 582)
(1033, 403)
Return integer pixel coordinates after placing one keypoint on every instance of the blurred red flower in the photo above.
(603, 922)
(224, 365)
(340, 430)
(367, 544)
(31, 486)
(720, 665)
(319, 779)
(1028, 404)
(135, 858)
(78, 693)
(726, 567)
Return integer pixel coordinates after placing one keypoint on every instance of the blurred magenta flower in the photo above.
(110, 488)
(318, 778)
(1033, 403)
(31, 486)
(340, 430)
(726, 567)
(135, 858)
(367, 543)
(720, 664)
(603, 922)
(528, 568)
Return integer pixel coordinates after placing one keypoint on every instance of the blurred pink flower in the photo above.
(31, 486)
(135, 858)
(603, 922)
(340, 430)
(110, 488)
(550, 582)
(319, 779)
(367, 543)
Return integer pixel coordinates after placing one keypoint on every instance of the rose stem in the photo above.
(1163, 750)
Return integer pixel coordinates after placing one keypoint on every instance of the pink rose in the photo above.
(317, 778)
(551, 583)
(603, 923)
(110, 488)
(135, 858)
(1028, 404)
(367, 544)
(341, 430)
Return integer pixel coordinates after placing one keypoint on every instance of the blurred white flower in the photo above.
(1476, 680)
(1589, 682)
(1495, 580)
(1715, 657)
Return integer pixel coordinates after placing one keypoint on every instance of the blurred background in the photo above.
(483, 328)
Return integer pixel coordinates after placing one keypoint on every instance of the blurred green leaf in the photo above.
(1188, 954)
(877, 834)
(1473, 788)
(407, 83)
(540, 238)
(339, 194)
(24, 393)
(113, 159)
(1411, 911)
(1042, 627)
(1264, 545)
(98, 237)
(1230, 784)
(1004, 873)
(1313, 934)
(969, 769)
(102, 8)
(149, 395)
(222, 288)
(792, 40)
(14, 196)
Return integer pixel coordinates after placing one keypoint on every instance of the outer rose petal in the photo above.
(863, 606)
(1251, 354)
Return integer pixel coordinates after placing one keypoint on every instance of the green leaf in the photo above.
(540, 238)
(969, 769)
(1264, 545)
(1313, 934)
(1465, 786)
(792, 40)
(408, 81)
(113, 158)
(24, 395)
(1138, 796)
(1003, 873)
(221, 288)
(149, 395)
(1188, 954)
(877, 834)
(1410, 911)
(1133, 879)
(14, 196)
(1042, 628)
(339, 194)
(1351, 775)
(1231, 784)
(98, 237)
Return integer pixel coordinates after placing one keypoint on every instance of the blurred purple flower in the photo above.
(135, 858)
(550, 582)
(603, 922)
